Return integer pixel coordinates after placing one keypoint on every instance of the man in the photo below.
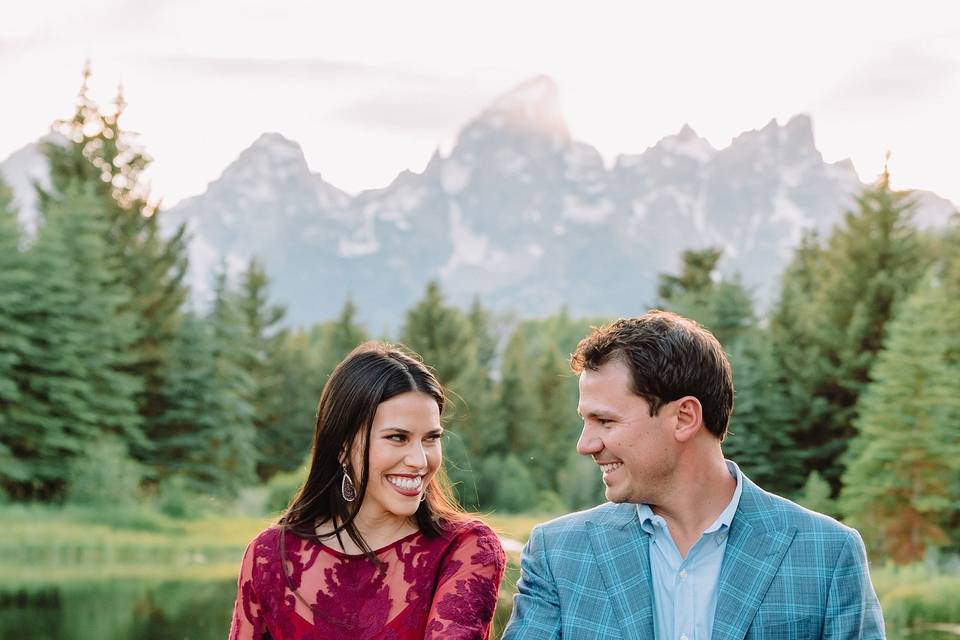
(688, 548)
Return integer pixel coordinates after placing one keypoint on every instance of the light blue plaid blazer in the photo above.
(787, 573)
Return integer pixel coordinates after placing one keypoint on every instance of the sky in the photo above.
(369, 88)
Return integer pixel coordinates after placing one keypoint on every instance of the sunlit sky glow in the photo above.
(371, 88)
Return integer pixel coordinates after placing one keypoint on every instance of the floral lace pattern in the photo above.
(443, 587)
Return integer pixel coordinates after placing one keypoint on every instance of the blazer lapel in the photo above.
(622, 551)
(754, 552)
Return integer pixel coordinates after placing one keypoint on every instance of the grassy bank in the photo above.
(74, 536)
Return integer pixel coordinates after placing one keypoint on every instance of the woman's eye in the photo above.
(435, 437)
(397, 437)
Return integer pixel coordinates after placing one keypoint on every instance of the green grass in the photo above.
(35, 535)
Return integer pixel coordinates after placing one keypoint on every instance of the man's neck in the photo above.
(702, 491)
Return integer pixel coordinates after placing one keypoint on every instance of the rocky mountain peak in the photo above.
(530, 107)
(687, 143)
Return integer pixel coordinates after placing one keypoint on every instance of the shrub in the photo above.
(104, 475)
(282, 487)
(911, 605)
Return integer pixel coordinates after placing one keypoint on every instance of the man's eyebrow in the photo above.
(598, 413)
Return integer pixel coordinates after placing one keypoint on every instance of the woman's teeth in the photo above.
(406, 483)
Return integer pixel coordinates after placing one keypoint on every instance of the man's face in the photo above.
(636, 452)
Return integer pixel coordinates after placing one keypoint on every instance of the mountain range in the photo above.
(518, 213)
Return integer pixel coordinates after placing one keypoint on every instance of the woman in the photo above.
(372, 544)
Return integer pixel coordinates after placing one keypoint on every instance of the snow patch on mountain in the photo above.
(24, 168)
(794, 220)
(454, 177)
(574, 208)
(357, 246)
(469, 247)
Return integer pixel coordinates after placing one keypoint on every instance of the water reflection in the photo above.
(118, 610)
(152, 609)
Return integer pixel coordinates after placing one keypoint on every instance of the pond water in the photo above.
(118, 609)
(149, 609)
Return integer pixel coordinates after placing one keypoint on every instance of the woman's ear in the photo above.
(689, 414)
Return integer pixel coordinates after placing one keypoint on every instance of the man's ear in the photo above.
(689, 416)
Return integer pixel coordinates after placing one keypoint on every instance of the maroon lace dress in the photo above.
(443, 587)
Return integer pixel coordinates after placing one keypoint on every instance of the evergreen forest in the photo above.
(117, 387)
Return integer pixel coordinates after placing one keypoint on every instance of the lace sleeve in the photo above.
(466, 595)
(248, 623)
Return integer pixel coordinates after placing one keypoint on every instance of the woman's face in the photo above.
(405, 453)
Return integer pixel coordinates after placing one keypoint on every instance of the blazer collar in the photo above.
(758, 540)
(622, 550)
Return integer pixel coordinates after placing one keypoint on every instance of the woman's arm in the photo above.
(466, 596)
(247, 622)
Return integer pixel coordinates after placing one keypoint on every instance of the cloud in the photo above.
(896, 78)
(418, 109)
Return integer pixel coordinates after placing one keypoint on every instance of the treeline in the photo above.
(113, 387)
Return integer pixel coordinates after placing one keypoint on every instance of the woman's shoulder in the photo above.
(477, 536)
(467, 527)
(266, 543)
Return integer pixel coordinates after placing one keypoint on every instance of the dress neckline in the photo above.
(353, 556)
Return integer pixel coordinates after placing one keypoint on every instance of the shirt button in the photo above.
(683, 576)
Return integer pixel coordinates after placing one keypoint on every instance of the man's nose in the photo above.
(588, 444)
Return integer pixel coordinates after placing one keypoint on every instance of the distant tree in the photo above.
(104, 158)
(235, 451)
(76, 385)
(205, 434)
(815, 495)
(870, 263)
(517, 415)
(340, 337)
(262, 320)
(722, 305)
(556, 421)
(759, 430)
(440, 334)
(15, 334)
(901, 487)
(696, 274)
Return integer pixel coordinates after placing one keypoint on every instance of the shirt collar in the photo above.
(651, 521)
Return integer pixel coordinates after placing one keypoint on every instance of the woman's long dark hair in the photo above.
(372, 373)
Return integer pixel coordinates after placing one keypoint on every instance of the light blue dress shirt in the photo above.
(685, 589)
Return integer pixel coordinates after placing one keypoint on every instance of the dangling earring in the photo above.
(347, 489)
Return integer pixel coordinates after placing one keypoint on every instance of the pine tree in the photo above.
(758, 437)
(205, 434)
(829, 340)
(76, 385)
(15, 333)
(340, 338)
(722, 305)
(262, 319)
(556, 422)
(234, 445)
(102, 156)
(440, 334)
(517, 408)
(901, 488)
